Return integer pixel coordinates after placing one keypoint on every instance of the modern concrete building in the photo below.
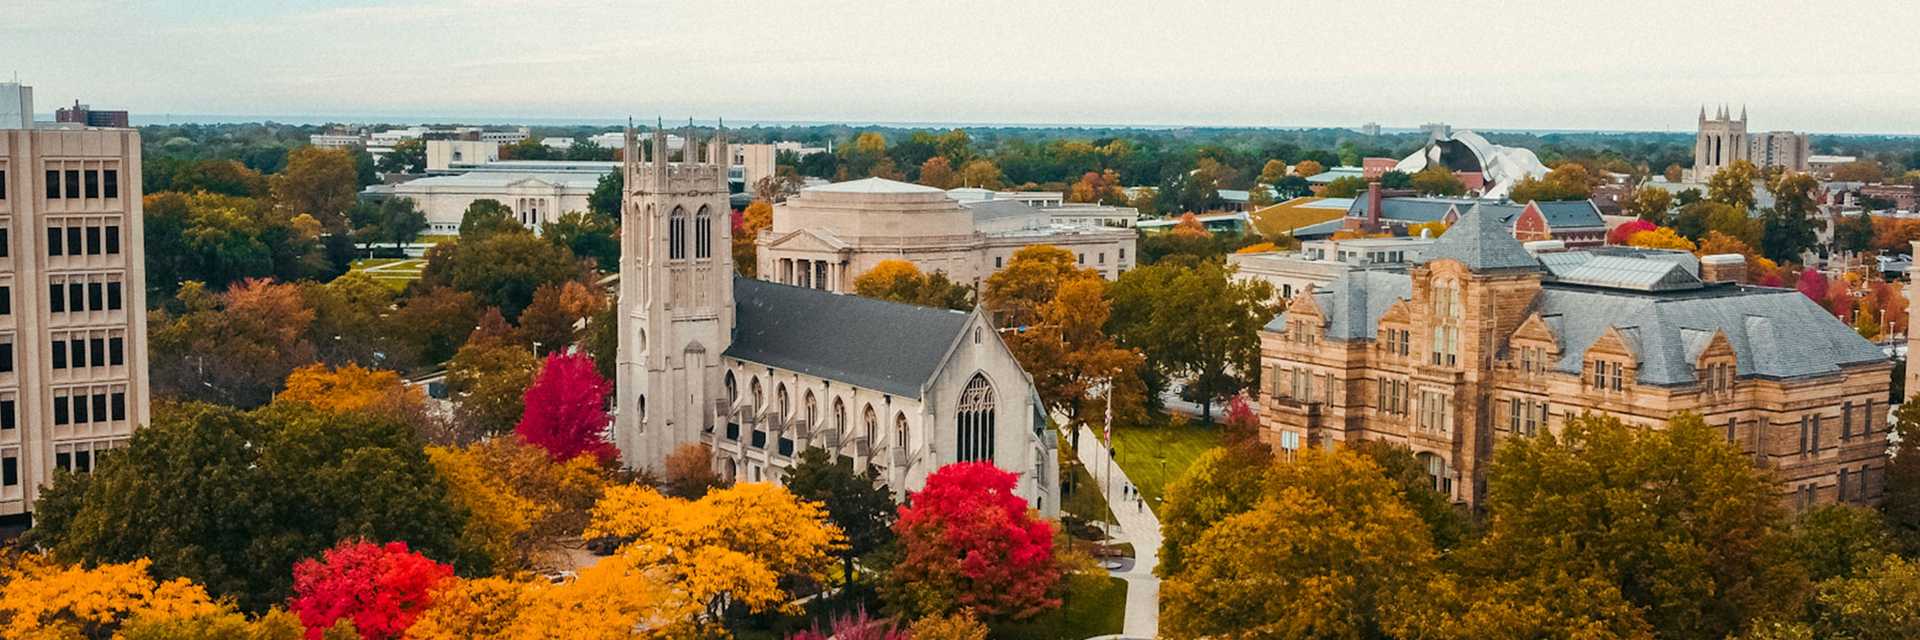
(828, 235)
(1787, 149)
(754, 161)
(443, 155)
(761, 371)
(1482, 341)
(73, 340)
(16, 106)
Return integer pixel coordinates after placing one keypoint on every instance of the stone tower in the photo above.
(676, 295)
(1721, 140)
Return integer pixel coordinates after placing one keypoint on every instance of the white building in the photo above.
(760, 372)
(335, 140)
(443, 155)
(505, 137)
(392, 137)
(535, 198)
(1319, 262)
(828, 235)
(16, 106)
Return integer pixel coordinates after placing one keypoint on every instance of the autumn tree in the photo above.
(1308, 168)
(586, 235)
(432, 324)
(937, 172)
(350, 324)
(381, 588)
(689, 471)
(1193, 323)
(902, 281)
(1619, 235)
(1448, 525)
(980, 173)
(1660, 238)
(235, 347)
(968, 541)
(1859, 171)
(566, 410)
(1330, 537)
(1436, 180)
(41, 598)
(557, 316)
(1221, 483)
(485, 217)
(232, 500)
(1569, 181)
(1732, 185)
(733, 547)
(1599, 498)
(858, 503)
(503, 270)
(352, 388)
(1649, 203)
(319, 182)
(1016, 293)
(488, 379)
(747, 227)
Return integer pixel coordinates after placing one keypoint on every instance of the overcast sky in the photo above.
(1833, 66)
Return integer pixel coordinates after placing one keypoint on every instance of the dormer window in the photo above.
(1608, 375)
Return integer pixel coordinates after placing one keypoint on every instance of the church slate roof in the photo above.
(1775, 333)
(1481, 242)
(885, 346)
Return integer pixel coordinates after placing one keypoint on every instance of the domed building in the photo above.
(830, 234)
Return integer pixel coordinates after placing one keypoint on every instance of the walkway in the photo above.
(1139, 527)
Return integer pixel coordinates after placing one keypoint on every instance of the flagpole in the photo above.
(1108, 432)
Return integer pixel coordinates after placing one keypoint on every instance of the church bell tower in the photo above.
(676, 294)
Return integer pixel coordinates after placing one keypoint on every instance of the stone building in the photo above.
(1577, 223)
(73, 322)
(830, 234)
(1482, 341)
(1723, 140)
(760, 371)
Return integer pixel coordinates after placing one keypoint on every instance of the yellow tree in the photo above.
(498, 519)
(1733, 184)
(1308, 168)
(352, 388)
(937, 172)
(477, 609)
(756, 218)
(317, 181)
(1072, 359)
(1015, 293)
(981, 173)
(44, 599)
(730, 547)
(1660, 238)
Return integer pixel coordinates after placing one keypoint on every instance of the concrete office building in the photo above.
(16, 106)
(73, 347)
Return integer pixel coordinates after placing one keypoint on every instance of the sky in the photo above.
(1832, 66)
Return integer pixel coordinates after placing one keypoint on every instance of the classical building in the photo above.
(535, 197)
(1483, 341)
(73, 338)
(829, 235)
(760, 371)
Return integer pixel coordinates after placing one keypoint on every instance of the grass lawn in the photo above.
(1154, 455)
(1080, 495)
(392, 272)
(1094, 606)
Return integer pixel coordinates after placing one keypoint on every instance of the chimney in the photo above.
(1723, 267)
(1373, 207)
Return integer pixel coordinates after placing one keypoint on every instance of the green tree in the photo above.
(349, 321)
(485, 217)
(606, 196)
(1324, 554)
(1344, 187)
(1447, 524)
(1396, 179)
(431, 324)
(233, 499)
(859, 503)
(587, 235)
(1853, 232)
(1789, 225)
(1901, 502)
(489, 377)
(1648, 203)
(1881, 601)
(1221, 483)
(1839, 540)
(225, 177)
(407, 156)
(1194, 323)
(1569, 181)
(1676, 518)
(319, 182)
(504, 269)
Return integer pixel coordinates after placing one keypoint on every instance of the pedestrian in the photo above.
(1141, 506)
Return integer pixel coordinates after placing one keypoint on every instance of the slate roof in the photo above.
(1480, 242)
(886, 346)
(1354, 302)
(1775, 333)
(1560, 215)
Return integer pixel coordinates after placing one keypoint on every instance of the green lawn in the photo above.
(1155, 455)
(393, 272)
(1080, 495)
(1094, 606)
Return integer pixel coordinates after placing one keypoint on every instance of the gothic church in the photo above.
(761, 371)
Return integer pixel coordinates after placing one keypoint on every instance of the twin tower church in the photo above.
(761, 371)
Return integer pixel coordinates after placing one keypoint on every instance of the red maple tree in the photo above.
(971, 540)
(381, 589)
(566, 410)
(1619, 235)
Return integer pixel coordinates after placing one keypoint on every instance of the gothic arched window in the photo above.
(812, 410)
(780, 399)
(974, 420)
(677, 234)
(733, 390)
(703, 234)
(869, 425)
(900, 432)
(759, 398)
(839, 417)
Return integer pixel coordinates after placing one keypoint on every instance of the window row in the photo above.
(1299, 384)
(1718, 377)
(87, 408)
(677, 234)
(1858, 491)
(1398, 342)
(1436, 412)
(1303, 332)
(80, 294)
(1607, 375)
(82, 350)
(1533, 359)
(1526, 417)
(88, 182)
(83, 238)
(79, 457)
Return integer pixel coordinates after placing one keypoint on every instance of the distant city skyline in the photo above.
(1842, 67)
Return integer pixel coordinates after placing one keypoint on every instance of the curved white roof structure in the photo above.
(1465, 150)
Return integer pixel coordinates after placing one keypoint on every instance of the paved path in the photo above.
(1139, 527)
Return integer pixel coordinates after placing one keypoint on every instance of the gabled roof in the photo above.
(1560, 215)
(886, 346)
(1480, 242)
(1354, 302)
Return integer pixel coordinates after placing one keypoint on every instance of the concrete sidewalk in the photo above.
(1139, 527)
